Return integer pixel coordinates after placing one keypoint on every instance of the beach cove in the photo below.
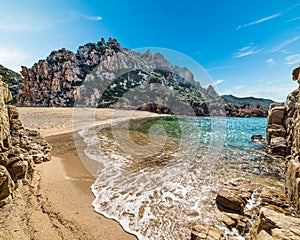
(62, 187)
(57, 203)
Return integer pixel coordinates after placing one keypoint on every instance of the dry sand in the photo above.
(57, 203)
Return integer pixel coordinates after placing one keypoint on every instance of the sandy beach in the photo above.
(57, 202)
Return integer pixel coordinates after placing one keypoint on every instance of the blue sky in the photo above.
(248, 47)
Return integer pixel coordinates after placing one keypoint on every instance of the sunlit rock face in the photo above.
(283, 137)
(104, 74)
(20, 148)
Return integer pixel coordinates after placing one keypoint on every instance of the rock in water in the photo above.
(206, 232)
(17, 148)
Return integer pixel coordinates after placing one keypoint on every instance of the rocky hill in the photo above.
(246, 107)
(244, 101)
(104, 74)
(14, 81)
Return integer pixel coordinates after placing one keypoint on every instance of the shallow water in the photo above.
(160, 176)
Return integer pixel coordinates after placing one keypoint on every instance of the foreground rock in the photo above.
(273, 225)
(276, 130)
(240, 203)
(206, 232)
(20, 148)
(283, 138)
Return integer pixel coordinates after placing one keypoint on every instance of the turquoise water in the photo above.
(160, 176)
(234, 132)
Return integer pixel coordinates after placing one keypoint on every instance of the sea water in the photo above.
(160, 176)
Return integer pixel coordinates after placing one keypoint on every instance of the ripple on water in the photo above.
(161, 196)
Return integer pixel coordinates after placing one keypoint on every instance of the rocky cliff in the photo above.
(104, 74)
(283, 136)
(20, 148)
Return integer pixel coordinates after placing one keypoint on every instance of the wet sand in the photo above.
(57, 204)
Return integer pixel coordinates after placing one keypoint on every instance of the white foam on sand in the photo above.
(163, 203)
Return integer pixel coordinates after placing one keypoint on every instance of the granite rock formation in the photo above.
(246, 111)
(276, 129)
(206, 232)
(14, 81)
(106, 75)
(20, 148)
(283, 137)
(272, 224)
(269, 218)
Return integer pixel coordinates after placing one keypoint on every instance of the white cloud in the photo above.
(219, 68)
(293, 19)
(259, 21)
(270, 61)
(293, 59)
(13, 58)
(219, 81)
(285, 44)
(238, 87)
(246, 51)
(88, 17)
(275, 91)
(293, 6)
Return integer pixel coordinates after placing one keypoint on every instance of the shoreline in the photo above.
(70, 171)
(57, 203)
(60, 195)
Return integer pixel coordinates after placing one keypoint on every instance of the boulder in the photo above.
(276, 115)
(6, 186)
(292, 182)
(206, 232)
(273, 225)
(230, 201)
(257, 137)
(278, 146)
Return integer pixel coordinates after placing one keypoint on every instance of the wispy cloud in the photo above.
(88, 17)
(246, 51)
(259, 21)
(220, 68)
(238, 87)
(270, 61)
(272, 89)
(293, 59)
(219, 81)
(293, 6)
(285, 44)
(293, 19)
